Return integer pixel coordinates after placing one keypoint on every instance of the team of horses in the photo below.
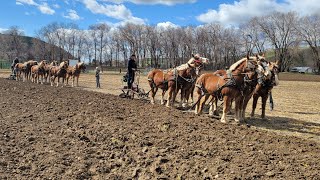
(43, 71)
(249, 77)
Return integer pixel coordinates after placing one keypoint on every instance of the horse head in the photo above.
(54, 63)
(42, 63)
(274, 68)
(81, 66)
(63, 65)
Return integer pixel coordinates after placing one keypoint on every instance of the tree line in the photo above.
(282, 35)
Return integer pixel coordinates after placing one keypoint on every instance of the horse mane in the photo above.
(62, 64)
(236, 64)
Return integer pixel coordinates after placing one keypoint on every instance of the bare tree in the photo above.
(16, 47)
(308, 30)
(279, 29)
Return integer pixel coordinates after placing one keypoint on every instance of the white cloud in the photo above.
(45, 9)
(72, 14)
(165, 2)
(243, 10)
(303, 7)
(56, 6)
(166, 25)
(119, 12)
(28, 2)
(2, 30)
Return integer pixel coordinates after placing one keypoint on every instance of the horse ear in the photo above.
(277, 62)
(248, 56)
(192, 55)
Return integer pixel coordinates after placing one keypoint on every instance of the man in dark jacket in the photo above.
(14, 62)
(132, 67)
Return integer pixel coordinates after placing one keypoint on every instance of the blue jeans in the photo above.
(130, 81)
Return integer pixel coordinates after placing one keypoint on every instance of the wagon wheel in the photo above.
(123, 95)
(130, 94)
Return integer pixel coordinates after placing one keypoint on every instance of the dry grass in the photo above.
(297, 105)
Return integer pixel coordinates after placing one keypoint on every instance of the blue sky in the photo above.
(31, 15)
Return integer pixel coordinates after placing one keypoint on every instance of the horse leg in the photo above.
(226, 107)
(169, 97)
(77, 81)
(191, 94)
(264, 99)
(182, 98)
(162, 96)
(42, 79)
(200, 104)
(174, 95)
(153, 94)
(58, 81)
(213, 106)
(51, 80)
(238, 108)
(72, 81)
(244, 106)
(197, 108)
(254, 104)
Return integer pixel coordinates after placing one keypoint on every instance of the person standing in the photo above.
(132, 67)
(14, 62)
(98, 77)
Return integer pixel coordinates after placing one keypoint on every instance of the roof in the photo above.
(300, 69)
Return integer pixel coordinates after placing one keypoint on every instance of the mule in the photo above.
(75, 71)
(38, 71)
(225, 85)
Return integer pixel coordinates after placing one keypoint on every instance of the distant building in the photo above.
(302, 70)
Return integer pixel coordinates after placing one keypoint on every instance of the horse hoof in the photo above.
(223, 121)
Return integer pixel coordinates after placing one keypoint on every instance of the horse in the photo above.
(28, 65)
(181, 80)
(159, 79)
(37, 71)
(47, 70)
(58, 71)
(226, 85)
(265, 85)
(75, 71)
(19, 68)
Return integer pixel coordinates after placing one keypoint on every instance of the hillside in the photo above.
(27, 48)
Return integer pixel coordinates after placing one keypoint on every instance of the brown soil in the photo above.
(68, 133)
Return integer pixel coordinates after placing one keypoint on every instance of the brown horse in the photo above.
(58, 71)
(47, 70)
(28, 65)
(228, 85)
(159, 79)
(19, 68)
(38, 71)
(75, 71)
(265, 85)
(181, 80)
